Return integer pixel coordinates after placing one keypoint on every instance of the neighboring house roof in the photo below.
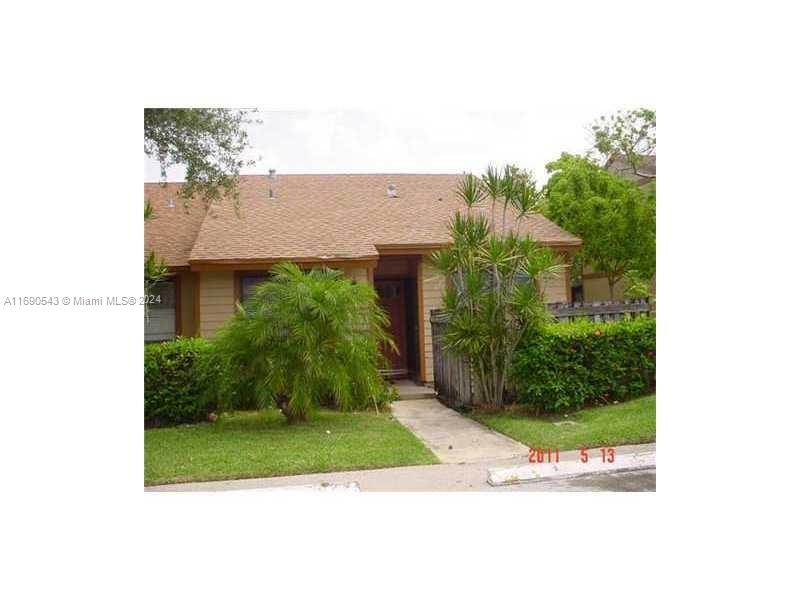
(330, 217)
(619, 165)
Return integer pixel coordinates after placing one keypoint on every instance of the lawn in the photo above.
(261, 444)
(631, 422)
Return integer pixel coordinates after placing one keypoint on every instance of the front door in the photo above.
(393, 300)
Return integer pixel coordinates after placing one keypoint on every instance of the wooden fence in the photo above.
(599, 311)
(454, 382)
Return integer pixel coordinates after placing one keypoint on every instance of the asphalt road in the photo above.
(630, 481)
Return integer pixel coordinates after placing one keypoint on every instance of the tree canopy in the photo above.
(628, 134)
(207, 141)
(615, 217)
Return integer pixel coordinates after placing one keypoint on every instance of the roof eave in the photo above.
(268, 262)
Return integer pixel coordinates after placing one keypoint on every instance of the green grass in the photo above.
(631, 422)
(261, 444)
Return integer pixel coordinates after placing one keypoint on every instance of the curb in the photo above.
(569, 469)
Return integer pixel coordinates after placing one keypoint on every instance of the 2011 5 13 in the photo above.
(552, 455)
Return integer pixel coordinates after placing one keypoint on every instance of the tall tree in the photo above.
(629, 135)
(207, 141)
(615, 217)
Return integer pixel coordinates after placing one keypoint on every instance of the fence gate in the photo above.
(452, 374)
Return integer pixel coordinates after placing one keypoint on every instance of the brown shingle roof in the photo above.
(338, 217)
(171, 232)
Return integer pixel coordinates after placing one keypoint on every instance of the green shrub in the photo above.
(568, 365)
(177, 377)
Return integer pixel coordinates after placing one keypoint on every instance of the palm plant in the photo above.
(303, 338)
(509, 186)
(471, 191)
(526, 201)
(494, 294)
(493, 184)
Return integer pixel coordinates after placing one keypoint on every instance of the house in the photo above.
(594, 286)
(642, 175)
(375, 228)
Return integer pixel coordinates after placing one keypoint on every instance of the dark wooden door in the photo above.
(393, 299)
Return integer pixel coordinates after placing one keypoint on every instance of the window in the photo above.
(248, 283)
(159, 324)
(522, 277)
(387, 291)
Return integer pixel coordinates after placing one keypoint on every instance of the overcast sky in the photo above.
(375, 141)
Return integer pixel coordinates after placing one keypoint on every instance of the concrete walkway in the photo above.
(452, 437)
(409, 390)
(436, 478)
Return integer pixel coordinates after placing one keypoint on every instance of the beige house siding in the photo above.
(216, 300)
(188, 326)
(433, 287)
(357, 274)
(596, 289)
(555, 288)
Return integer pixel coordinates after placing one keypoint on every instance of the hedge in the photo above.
(177, 382)
(568, 365)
